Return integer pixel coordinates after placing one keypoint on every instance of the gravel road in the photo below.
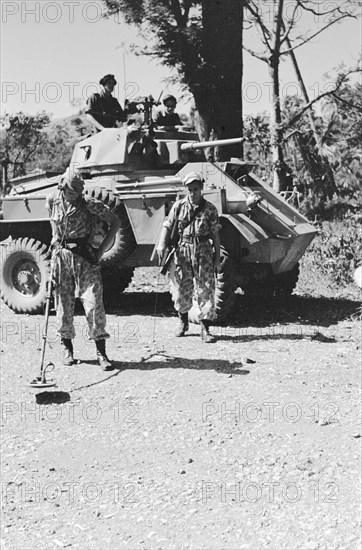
(252, 442)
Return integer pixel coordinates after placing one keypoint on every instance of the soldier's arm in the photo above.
(163, 243)
(165, 233)
(216, 243)
(215, 234)
(114, 225)
(99, 209)
(120, 113)
(95, 122)
(92, 109)
(49, 206)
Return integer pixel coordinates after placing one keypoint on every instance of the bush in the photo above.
(336, 250)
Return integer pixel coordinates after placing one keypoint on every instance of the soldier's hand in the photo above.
(160, 253)
(53, 249)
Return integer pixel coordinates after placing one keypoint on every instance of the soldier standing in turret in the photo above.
(103, 109)
(197, 256)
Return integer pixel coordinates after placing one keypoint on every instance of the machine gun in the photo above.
(142, 105)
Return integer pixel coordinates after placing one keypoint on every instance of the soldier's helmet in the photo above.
(169, 97)
(106, 78)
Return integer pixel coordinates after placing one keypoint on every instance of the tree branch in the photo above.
(318, 13)
(187, 7)
(296, 132)
(315, 34)
(289, 27)
(258, 56)
(342, 79)
(176, 9)
(266, 36)
(354, 106)
(278, 30)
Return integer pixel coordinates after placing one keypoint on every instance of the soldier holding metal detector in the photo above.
(73, 219)
(196, 254)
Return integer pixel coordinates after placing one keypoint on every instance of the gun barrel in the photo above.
(152, 183)
(204, 144)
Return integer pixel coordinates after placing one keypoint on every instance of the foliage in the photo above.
(278, 28)
(29, 143)
(339, 131)
(21, 136)
(257, 147)
(337, 250)
(343, 115)
(171, 30)
(55, 152)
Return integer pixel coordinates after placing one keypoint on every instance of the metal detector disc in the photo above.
(39, 384)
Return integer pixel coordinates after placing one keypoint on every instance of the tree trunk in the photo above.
(276, 132)
(217, 94)
(323, 174)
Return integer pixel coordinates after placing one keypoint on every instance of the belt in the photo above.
(77, 241)
(195, 239)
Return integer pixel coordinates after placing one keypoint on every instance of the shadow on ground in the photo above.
(300, 310)
(169, 362)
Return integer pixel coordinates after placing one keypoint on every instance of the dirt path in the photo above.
(184, 444)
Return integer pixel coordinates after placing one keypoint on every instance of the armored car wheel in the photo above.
(115, 281)
(224, 291)
(124, 242)
(276, 285)
(285, 283)
(24, 275)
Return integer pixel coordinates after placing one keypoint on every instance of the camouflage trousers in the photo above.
(192, 277)
(76, 278)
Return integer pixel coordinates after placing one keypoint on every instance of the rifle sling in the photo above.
(197, 210)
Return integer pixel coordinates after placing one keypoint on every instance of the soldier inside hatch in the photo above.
(166, 118)
(103, 109)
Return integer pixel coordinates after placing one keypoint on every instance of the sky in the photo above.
(55, 52)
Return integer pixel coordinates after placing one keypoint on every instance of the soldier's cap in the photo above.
(106, 78)
(191, 177)
(72, 180)
(169, 97)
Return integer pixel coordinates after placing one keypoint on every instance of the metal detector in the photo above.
(40, 381)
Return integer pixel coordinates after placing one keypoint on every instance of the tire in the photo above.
(285, 283)
(24, 275)
(115, 281)
(276, 285)
(224, 291)
(124, 243)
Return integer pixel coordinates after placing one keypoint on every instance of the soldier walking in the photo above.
(197, 256)
(77, 271)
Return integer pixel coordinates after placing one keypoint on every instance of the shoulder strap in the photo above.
(197, 210)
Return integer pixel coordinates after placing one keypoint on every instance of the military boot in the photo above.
(184, 324)
(205, 332)
(103, 360)
(67, 346)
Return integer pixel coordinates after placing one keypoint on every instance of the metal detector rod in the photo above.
(40, 381)
(47, 309)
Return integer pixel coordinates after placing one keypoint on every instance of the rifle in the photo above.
(174, 237)
(172, 245)
(167, 259)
